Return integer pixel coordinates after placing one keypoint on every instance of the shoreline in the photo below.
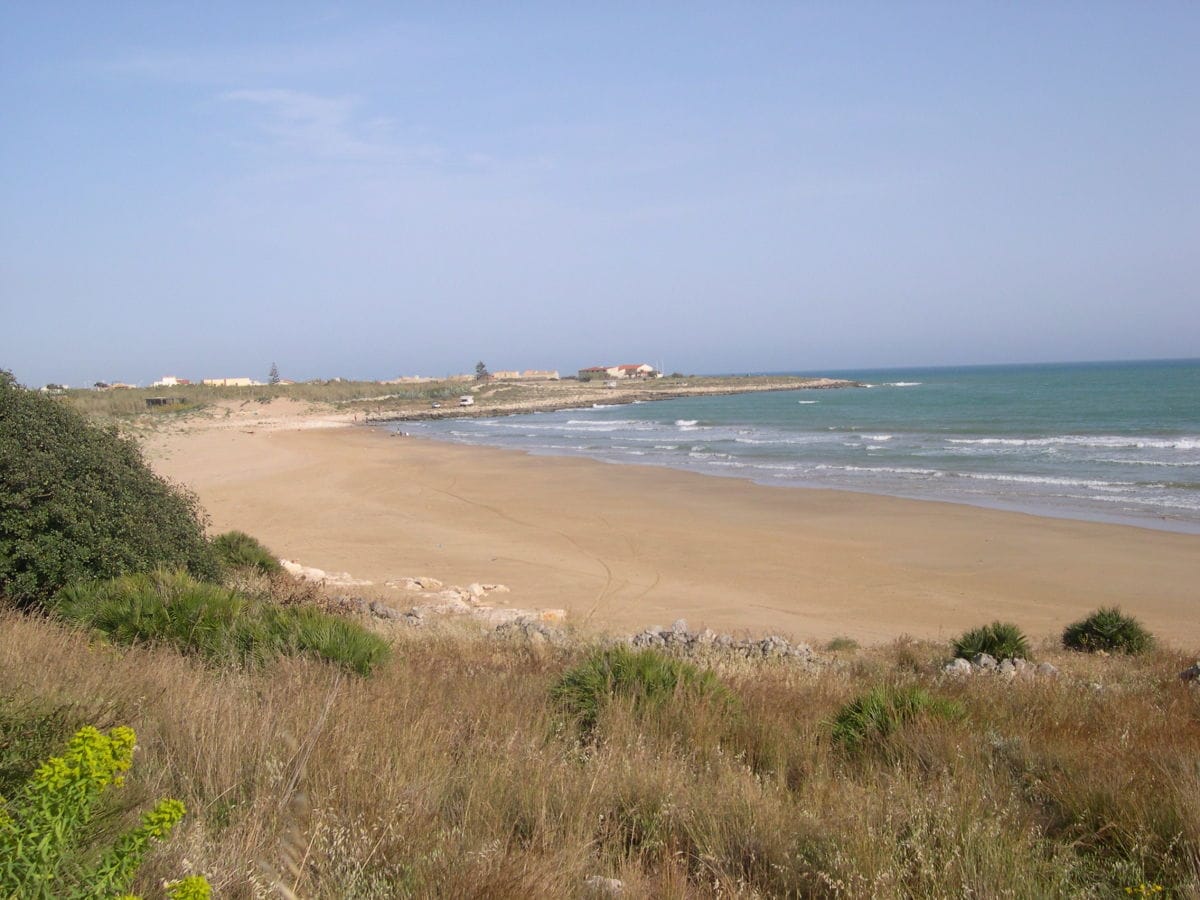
(1148, 524)
(623, 547)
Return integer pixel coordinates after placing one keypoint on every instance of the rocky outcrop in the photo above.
(679, 639)
(985, 664)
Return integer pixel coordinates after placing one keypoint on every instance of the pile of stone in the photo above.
(439, 601)
(678, 639)
(986, 664)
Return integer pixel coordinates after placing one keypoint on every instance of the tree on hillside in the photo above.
(78, 501)
(273, 375)
(481, 371)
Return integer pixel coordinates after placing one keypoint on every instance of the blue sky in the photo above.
(368, 190)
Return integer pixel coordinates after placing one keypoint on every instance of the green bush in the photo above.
(45, 830)
(77, 501)
(883, 711)
(214, 622)
(1002, 640)
(1110, 630)
(238, 550)
(646, 676)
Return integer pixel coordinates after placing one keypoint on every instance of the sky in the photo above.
(371, 190)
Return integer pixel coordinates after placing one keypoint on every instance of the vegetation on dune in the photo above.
(238, 550)
(129, 403)
(882, 711)
(219, 624)
(77, 501)
(1003, 640)
(1109, 630)
(48, 845)
(449, 773)
(646, 677)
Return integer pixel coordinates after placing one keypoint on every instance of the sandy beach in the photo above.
(624, 547)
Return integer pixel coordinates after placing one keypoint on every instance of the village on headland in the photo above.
(483, 392)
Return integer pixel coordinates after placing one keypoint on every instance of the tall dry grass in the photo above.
(450, 773)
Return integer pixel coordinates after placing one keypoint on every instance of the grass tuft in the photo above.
(882, 711)
(647, 677)
(1002, 640)
(1109, 630)
(214, 622)
(841, 643)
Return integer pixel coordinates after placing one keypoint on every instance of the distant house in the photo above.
(635, 370)
(506, 375)
(630, 370)
(170, 381)
(230, 382)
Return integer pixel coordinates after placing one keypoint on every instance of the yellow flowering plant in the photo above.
(42, 826)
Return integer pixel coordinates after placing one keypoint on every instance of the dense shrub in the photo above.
(647, 677)
(44, 829)
(221, 625)
(1110, 630)
(238, 550)
(78, 501)
(1002, 640)
(882, 711)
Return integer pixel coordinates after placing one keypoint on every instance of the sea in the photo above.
(1112, 441)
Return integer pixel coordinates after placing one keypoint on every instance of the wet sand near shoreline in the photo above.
(623, 547)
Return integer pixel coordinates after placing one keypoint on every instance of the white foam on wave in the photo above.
(887, 470)
(877, 437)
(1078, 440)
(905, 383)
(1148, 462)
(687, 424)
(807, 402)
(1169, 502)
(1055, 480)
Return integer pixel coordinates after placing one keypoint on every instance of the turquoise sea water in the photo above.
(1100, 441)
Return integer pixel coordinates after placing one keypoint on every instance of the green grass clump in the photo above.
(214, 622)
(238, 550)
(648, 677)
(842, 643)
(1109, 630)
(77, 501)
(1003, 640)
(884, 710)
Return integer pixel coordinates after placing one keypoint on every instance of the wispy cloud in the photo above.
(320, 126)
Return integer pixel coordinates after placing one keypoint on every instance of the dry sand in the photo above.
(624, 547)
